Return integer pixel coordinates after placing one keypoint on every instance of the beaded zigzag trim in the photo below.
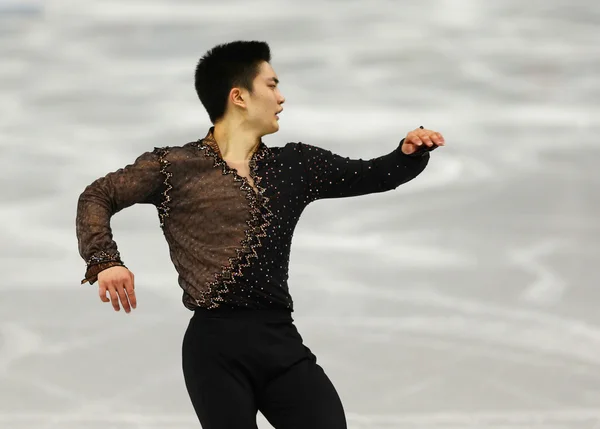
(256, 224)
(163, 208)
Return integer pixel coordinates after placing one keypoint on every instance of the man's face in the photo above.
(264, 103)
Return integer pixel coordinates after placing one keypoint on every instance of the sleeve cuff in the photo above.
(91, 275)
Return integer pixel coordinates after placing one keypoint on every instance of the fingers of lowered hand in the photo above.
(102, 292)
(114, 297)
(130, 291)
(122, 292)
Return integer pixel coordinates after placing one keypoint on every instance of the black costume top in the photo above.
(229, 243)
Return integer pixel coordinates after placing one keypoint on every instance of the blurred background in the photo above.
(466, 298)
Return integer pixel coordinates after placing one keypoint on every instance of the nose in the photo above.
(281, 99)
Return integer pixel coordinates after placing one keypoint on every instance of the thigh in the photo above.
(222, 397)
(302, 397)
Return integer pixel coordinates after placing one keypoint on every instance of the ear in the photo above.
(237, 96)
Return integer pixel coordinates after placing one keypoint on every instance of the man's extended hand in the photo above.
(119, 283)
(417, 139)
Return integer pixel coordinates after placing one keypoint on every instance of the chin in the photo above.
(271, 129)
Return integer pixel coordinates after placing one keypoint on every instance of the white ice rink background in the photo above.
(465, 299)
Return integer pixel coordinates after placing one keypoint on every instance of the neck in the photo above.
(236, 142)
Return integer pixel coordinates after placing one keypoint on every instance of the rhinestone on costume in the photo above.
(104, 256)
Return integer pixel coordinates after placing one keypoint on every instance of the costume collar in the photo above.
(209, 140)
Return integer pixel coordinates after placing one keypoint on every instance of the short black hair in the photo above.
(225, 66)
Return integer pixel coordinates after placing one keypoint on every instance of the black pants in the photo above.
(238, 362)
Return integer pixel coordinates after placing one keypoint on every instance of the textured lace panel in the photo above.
(189, 301)
(256, 225)
(163, 208)
(138, 182)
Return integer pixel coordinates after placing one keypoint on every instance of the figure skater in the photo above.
(228, 205)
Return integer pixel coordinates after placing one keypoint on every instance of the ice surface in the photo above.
(465, 299)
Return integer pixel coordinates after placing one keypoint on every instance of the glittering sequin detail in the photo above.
(104, 256)
(256, 224)
(99, 262)
(163, 208)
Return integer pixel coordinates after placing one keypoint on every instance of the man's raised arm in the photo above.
(333, 176)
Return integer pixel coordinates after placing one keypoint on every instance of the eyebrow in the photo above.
(274, 79)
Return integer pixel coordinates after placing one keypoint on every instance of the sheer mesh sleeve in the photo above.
(333, 176)
(139, 182)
